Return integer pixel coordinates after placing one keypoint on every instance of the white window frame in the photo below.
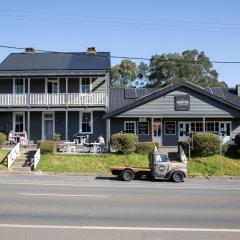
(43, 122)
(47, 80)
(80, 122)
(14, 121)
(80, 84)
(125, 123)
(14, 85)
(175, 132)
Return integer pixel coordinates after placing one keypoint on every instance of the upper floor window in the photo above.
(19, 85)
(86, 85)
(52, 86)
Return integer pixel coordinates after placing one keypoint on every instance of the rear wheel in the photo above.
(177, 177)
(128, 175)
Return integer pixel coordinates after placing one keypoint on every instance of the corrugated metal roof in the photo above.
(56, 61)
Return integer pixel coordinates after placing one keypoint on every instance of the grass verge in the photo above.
(100, 164)
(89, 163)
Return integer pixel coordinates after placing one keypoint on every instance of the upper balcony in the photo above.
(53, 99)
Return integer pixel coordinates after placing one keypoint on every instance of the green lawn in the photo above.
(3, 154)
(89, 163)
(100, 164)
(211, 166)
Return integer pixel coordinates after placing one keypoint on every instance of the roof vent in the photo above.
(91, 50)
(30, 50)
(238, 89)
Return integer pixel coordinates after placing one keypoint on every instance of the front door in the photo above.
(183, 131)
(48, 126)
(157, 127)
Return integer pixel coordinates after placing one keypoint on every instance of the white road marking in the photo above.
(126, 185)
(63, 195)
(232, 230)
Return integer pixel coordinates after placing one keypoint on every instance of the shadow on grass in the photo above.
(4, 161)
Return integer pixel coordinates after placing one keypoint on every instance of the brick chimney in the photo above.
(30, 50)
(238, 89)
(91, 50)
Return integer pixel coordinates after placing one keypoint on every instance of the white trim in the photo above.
(134, 122)
(47, 80)
(175, 132)
(43, 122)
(80, 122)
(14, 121)
(14, 85)
(80, 84)
(148, 128)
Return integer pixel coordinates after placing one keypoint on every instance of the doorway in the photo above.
(157, 128)
(48, 126)
(183, 132)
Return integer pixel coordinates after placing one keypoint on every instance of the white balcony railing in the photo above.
(45, 99)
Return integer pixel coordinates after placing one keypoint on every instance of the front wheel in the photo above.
(128, 175)
(177, 177)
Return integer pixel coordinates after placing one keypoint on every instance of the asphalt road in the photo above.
(73, 207)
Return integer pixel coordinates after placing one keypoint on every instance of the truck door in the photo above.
(161, 165)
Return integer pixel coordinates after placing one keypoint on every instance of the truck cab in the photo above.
(162, 168)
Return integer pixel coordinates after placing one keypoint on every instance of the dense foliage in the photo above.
(47, 147)
(164, 69)
(146, 147)
(206, 144)
(124, 143)
(3, 139)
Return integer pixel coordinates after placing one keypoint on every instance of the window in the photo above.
(170, 128)
(86, 122)
(18, 122)
(86, 85)
(19, 86)
(130, 127)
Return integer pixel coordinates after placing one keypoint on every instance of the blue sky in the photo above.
(127, 28)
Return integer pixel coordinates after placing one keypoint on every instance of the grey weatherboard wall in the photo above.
(199, 105)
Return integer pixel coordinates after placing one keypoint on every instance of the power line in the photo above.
(147, 24)
(121, 57)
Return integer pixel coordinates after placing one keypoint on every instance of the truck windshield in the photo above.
(162, 158)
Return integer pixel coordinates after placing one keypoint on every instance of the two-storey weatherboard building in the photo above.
(47, 93)
(70, 94)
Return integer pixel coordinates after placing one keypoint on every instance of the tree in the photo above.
(191, 65)
(124, 73)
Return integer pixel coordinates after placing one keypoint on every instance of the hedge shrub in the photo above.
(124, 143)
(206, 144)
(47, 147)
(3, 139)
(145, 147)
(237, 143)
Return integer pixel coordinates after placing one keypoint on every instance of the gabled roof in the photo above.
(118, 105)
(24, 63)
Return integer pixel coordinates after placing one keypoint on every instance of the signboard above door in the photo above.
(182, 103)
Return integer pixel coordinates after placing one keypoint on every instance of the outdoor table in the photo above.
(94, 145)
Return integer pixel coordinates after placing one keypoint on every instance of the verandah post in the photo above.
(152, 127)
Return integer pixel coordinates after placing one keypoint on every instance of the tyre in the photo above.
(177, 176)
(128, 175)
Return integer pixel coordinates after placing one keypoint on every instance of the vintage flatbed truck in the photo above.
(160, 167)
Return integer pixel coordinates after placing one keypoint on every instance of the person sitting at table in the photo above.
(101, 140)
(23, 138)
(11, 139)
